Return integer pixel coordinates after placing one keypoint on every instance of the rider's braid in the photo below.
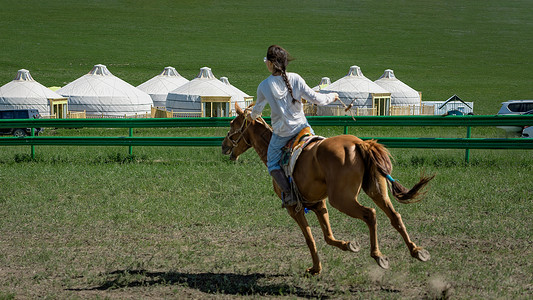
(287, 83)
(280, 59)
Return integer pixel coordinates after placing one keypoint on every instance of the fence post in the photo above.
(32, 146)
(467, 151)
(131, 147)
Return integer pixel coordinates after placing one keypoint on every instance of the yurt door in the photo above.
(382, 105)
(215, 106)
(59, 108)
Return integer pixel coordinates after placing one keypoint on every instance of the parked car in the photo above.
(527, 132)
(515, 107)
(19, 114)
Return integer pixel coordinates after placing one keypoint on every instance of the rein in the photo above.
(241, 131)
(347, 107)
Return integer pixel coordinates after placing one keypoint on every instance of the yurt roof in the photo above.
(24, 86)
(205, 84)
(401, 93)
(163, 83)
(24, 92)
(100, 82)
(355, 81)
(101, 91)
(238, 92)
(324, 82)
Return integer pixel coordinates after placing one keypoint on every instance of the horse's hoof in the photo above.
(354, 246)
(382, 261)
(422, 255)
(312, 271)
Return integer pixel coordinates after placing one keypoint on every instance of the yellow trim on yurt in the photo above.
(381, 102)
(215, 106)
(58, 108)
(215, 98)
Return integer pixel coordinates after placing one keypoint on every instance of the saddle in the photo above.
(291, 152)
(294, 148)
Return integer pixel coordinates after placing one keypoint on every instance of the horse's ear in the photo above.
(238, 109)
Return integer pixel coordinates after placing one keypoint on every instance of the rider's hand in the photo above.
(336, 97)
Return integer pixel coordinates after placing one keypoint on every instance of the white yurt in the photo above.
(240, 97)
(204, 96)
(24, 92)
(159, 86)
(101, 93)
(401, 93)
(324, 82)
(355, 89)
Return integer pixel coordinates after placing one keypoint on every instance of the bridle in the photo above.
(242, 130)
(244, 127)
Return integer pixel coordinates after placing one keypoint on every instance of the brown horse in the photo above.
(335, 168)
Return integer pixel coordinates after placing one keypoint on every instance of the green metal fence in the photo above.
(490, 120)
(343, 121)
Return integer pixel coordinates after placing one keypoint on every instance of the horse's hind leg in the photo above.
(322, 215)
(379, 194)
(346, 202)
(299, 217)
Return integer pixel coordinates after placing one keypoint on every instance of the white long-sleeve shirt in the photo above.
(286, 117)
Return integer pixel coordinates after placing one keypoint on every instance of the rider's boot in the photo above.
(283, 182)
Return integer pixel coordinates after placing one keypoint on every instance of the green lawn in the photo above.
(88, 222)
(479, 50)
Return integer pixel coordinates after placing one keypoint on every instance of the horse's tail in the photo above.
(378, 163)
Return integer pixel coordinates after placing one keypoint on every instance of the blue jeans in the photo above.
(276, 145)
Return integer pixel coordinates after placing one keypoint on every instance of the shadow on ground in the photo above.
(211, 283)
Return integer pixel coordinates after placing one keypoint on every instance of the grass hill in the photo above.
(479, 50)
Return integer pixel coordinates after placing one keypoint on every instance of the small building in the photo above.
(404, 99)
(365, 96)
(24, 92)
(159, 86)
(204, 96)
(454, 105)
(101, 94)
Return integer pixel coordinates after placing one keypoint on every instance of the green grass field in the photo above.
(479, 50)
(87, 222)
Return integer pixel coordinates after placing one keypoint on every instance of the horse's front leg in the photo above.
(299, 217)
(322, 215)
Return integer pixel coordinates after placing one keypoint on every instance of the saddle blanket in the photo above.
(294, 148)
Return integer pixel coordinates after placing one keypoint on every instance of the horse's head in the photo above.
(236, 141)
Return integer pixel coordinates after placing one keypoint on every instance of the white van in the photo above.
(515, 107)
